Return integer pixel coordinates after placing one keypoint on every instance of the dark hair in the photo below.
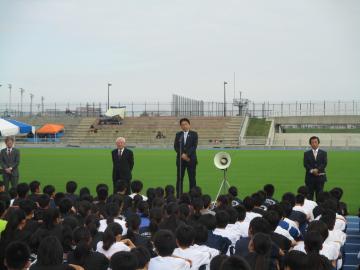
(235, 263)
(34, 185)
(22, 190)
(156, 215)
(28, 206)
(217, 261)
(159, 192)
(209, 221)
(329, 218)
(269, 190)
(313, 242)
(142, 255)
(222, 219)
(50, 252)
(15, 217)
(201, 234)
(262, 246)
(314, 138)
(303, 190)
(109, 236)
(43, 200)
(17, 254)
(82, 238)
(289, 197)
(337, 193)
(123, 260)
(112, 211)
(259, 224)
(287, 208)
(71, 187)
(58, 197)
(207, 200)
(258, 199)
(273, 218)
(319, 227)
(102, 193)
(296, 260)
(49, 190)
(120, 186)
(185, 235)
(299, 199)
(50, 216)
(241, 212)
(136, 186)
(65, 205)
(233, 215)
(248, 203)
(184, 120)
(233, 191)
(133, 222)
(164, 242)
(169, 190)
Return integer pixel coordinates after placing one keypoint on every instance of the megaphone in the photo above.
(222, 160)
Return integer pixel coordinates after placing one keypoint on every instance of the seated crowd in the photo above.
(42, 228)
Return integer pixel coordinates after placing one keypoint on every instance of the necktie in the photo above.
(315, 154)
(9, 151)
(120, 152)
(185, 137)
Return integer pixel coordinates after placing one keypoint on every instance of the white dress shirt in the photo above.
(168, 263)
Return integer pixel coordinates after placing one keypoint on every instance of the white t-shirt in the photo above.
(103, 225)
(197, 257)
(250, 216)
(330, 251)
(240, 228)
(116, 247)
(336, 236)
(231, 235)
(168, 263)
(309, 205)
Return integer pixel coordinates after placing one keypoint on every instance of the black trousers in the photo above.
(191, 171)
(314, 186)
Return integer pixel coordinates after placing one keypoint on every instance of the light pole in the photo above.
(10, 86)
(225, 83)
(31, 103)
(22, 90)
(42, 105)
(109, 84)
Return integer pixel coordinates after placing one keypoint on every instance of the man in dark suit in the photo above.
(315, 161)
(123, 163)
(9, 162)
(185, 145)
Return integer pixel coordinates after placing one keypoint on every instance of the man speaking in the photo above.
(123, 163)
(315, 161)
(185, 145)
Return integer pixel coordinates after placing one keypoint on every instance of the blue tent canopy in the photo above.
(24, 128)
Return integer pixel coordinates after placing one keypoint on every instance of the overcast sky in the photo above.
(280, 50)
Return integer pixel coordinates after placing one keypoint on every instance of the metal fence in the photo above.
(203, 108)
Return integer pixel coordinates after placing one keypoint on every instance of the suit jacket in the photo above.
(122, 165)
(311, 163)
(12, 160)
(188, 148)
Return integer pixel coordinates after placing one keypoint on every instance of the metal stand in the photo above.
(224, 185)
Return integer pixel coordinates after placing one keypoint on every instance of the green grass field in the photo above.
(249, 171)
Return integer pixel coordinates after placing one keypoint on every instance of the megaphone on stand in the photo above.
(222, 161)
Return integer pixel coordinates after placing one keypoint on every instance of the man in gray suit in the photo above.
(9, 162)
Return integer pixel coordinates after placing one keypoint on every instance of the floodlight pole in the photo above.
(225, 83)
(108, 96)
